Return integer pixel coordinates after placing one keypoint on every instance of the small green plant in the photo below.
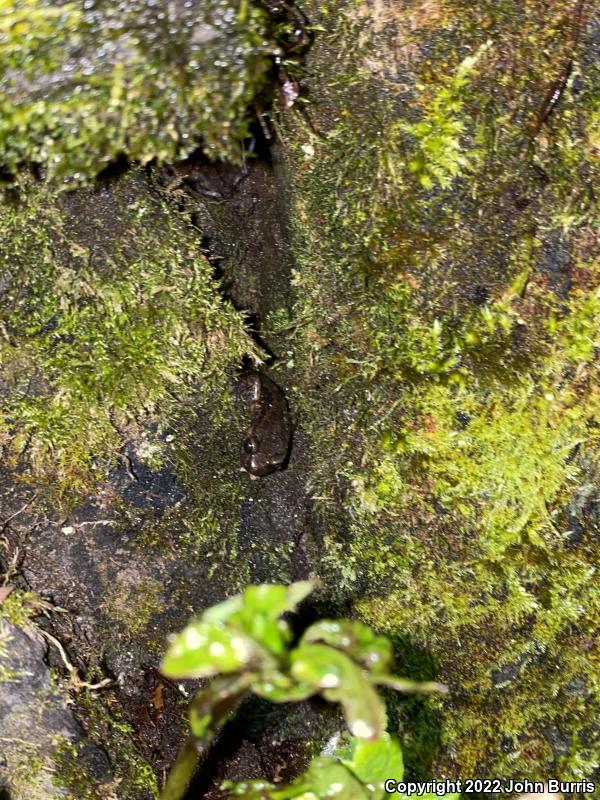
(358, 771)
(245, 646)
(439, 157)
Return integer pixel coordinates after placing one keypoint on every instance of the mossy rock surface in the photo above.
(39, 728)
(441, 352)
(121, 436)
(110, 310)
(87, 83)
(447, 343)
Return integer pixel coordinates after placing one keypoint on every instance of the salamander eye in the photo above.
(250, 444)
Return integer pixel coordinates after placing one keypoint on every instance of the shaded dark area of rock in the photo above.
(116, 562)
(34, 710)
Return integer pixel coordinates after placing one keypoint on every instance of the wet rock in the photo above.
(509, 672)
(138, 80)
(37, 723)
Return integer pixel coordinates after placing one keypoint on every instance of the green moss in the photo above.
(134, 778)
(19, 607)
(72, 775)
(113, 315)
(83, 86)
(30, 776)
(461, 425)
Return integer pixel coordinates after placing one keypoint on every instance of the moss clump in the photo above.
(460, 348)
(83, 86)
(30, 777)
(105, 317)
(20, 606)
(134, 779)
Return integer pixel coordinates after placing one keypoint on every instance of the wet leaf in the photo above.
(403, 685)
(255, 613)
(328, 778)
(273, 635)
(325, 778)
(274, 599)
(225, 610)
(342, 681)
(372, 651)
(203, 649)
(374, 762)
(268, 599)
(261, 790)
(280, 688)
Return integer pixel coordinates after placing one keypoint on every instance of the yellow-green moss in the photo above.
(83, 86)
(448, 366)
(108, 312)
(19, 607)
(133, 777)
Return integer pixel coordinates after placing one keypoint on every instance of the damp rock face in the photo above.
(431, 297)
(446, 279)
(86, 83)
(38, 726)
(120, 491)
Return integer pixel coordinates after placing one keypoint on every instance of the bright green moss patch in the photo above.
(19, 607)
(448, 314)
(110, 310)
(83, 85)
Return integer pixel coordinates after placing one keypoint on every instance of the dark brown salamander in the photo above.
(267, 442)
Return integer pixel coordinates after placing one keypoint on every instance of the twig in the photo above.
(16, 514)
(78, 684)
(94, 522)
(11, 569)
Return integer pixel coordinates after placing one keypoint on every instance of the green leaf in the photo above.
(280, 688)
(328, 778)
(274, 599)
(356, 639)
(203, 649)
(261, 790)
(403, 685)
(249, 790)
(374, 762)
(254, 614)
(340, 680)
(211, 706)
(274, 635)
(222, 612)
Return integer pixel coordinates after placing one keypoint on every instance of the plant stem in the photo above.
(216, 703)
(182, 771)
